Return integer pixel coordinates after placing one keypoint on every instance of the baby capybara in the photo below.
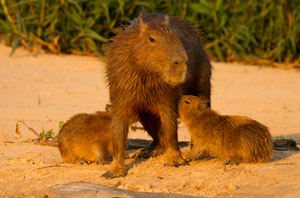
(86, 138)
(148, 67)
(233, 138)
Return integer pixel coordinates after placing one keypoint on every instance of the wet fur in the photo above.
(145, 84)
(234, 138)
(86, 138)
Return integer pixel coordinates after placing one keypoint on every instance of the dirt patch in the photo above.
(46, 89)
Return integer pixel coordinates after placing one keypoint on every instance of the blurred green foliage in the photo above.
(232, 29)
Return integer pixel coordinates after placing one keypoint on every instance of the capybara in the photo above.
(148, 66)
(232, 138)
(86, 138)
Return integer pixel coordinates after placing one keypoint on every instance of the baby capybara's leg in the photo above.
(102, 161)
(196, 153)
(193, 154)
(103, 154)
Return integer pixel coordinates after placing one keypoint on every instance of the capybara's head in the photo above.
(189, 103)
(158, 50)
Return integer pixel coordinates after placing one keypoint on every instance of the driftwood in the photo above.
(90, 190)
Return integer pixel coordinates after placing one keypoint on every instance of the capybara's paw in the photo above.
(148, 152)
(102, 161)
(110, 175)
(175, 164)
(117, 170)
(174, 159)
(191, 156)
(83, 162)
(145, 153)
(230, 162)
(158, 151)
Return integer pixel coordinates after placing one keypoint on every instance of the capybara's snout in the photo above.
(177, 68)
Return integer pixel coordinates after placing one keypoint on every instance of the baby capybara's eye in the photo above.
(151, 39)
(187, 102)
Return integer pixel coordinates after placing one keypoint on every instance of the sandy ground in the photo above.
(46, 89)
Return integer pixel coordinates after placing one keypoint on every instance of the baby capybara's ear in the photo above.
(208, 104)
(108, 108)
(142, 12)
(202, 105)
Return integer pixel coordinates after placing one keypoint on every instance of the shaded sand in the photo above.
(46, 89)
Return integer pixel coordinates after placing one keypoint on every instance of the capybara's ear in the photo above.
(202, 105)
(142, 12)
(208, 104)
(167, 20)
(143, 26)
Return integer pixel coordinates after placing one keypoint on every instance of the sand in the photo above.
(44, 89)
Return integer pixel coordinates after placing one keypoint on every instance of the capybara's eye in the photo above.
(151, 39)
(186, 102)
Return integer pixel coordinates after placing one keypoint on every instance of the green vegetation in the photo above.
(233, 30)
(48, 134)
(60, 125)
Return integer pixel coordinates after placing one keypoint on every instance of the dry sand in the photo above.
(46, 89)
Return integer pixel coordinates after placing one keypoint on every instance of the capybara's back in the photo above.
(234, 138)
(86, 138)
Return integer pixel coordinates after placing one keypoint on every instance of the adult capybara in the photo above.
(86, 138)
(233, 138)
(148, 67)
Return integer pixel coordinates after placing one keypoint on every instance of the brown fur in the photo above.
(86, 138)
(233, 138)
(149, 66)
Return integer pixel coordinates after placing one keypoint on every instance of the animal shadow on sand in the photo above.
(284, 147)
(134, 147)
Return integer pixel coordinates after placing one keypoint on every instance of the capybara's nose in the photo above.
(179, 62)
(179, 59)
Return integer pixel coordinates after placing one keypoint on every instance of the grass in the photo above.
(47, 137)
(48, 134)
(257, 31)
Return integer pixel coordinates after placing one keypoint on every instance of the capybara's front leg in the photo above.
(119, 132)
(169, 126)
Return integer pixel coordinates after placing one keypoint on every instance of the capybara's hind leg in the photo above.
(152, 125)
